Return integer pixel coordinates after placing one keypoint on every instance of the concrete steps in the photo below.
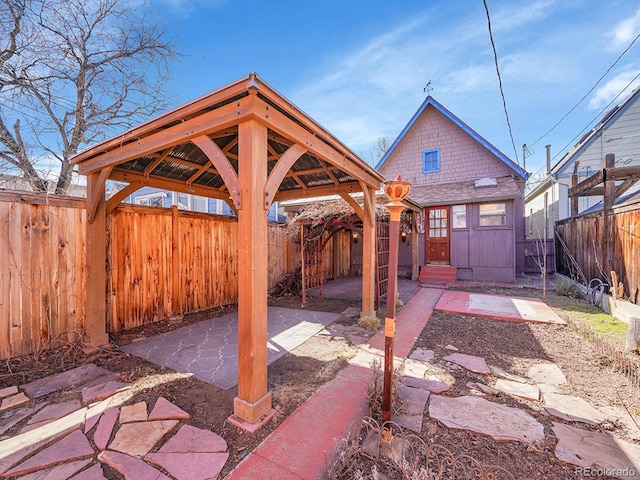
(437, 275)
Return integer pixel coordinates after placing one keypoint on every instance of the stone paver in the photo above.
(422, 355)
(16, 448)
(12, 417)
(165, 410)
(620, 415)
(103, 390)
(194, 440)
(133, 413)
(8, 391)
(72, 447)
(470, 362)
(13, 401)
(517, 389)
(70, 378)
(187, 466)
(50, 413)
(482, 416)
(480, 388)
(131, 467)
(413, 401)
(433, 386)
(59, 472)
(572, 409)
(92, 473)
(140, 437)
(584, 449)
(499, 372)
(547, 373)
(103, 432)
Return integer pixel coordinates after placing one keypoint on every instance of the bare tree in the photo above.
(70, 72)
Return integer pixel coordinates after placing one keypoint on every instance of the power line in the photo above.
(598, 115)
(589, 92)
(504, 101)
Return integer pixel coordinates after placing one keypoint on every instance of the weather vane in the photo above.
(427, 88)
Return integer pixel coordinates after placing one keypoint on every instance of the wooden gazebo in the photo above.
(248, 145)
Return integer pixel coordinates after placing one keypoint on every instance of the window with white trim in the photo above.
(458, 216)
(151, 200)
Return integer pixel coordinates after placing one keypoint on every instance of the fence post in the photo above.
(608, 233)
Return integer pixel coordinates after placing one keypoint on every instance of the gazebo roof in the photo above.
(169, 151)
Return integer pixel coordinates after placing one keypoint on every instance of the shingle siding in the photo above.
(461, 157)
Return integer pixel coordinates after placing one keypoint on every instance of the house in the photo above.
(547, 191)
(472, 195)
(156, 197)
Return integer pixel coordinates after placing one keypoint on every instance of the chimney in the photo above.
(548, 147)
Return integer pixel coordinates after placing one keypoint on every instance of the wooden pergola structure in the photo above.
(248, 145)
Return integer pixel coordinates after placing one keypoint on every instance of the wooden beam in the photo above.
(209, 122)
(321, 191)
(96, 245)
(624, 173)
(624, 186)
(253, 400)
(152, 166)
(115, 200)
(368, 251)
(595, 179)
(97, 191)
(222, 164)
(168, 184)
(415, 267)
(355, 205)
(284, 164)
(189, 111)
(284, 126)
(608, 233)
(574, 198)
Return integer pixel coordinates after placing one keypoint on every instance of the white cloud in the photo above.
(518, 16)
(625, 31)
(615, 89)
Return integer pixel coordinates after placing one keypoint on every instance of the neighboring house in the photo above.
(618, 132)
(154, 197)
(18, 183)
(472, 195)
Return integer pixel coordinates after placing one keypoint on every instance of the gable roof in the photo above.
(588, 138)
(430, 101)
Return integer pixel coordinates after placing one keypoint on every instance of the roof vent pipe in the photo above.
(548, 147)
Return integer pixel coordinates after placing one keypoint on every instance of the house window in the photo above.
(151, 200)
(459, 216)
(431, 161)
(492, 214)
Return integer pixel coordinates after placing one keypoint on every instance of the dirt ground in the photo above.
(293, 378)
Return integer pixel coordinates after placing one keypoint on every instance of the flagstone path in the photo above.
(72, 439)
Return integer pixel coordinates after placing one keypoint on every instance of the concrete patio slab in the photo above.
(209, 349)
(517, 309)
(586, 449)
(482, 416)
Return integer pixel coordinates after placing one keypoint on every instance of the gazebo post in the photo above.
(253, 401)
(368, 252)
(96, 302)
(415, 269)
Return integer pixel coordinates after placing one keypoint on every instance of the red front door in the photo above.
(437, 235)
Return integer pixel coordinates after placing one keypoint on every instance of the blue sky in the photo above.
(359, 68)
